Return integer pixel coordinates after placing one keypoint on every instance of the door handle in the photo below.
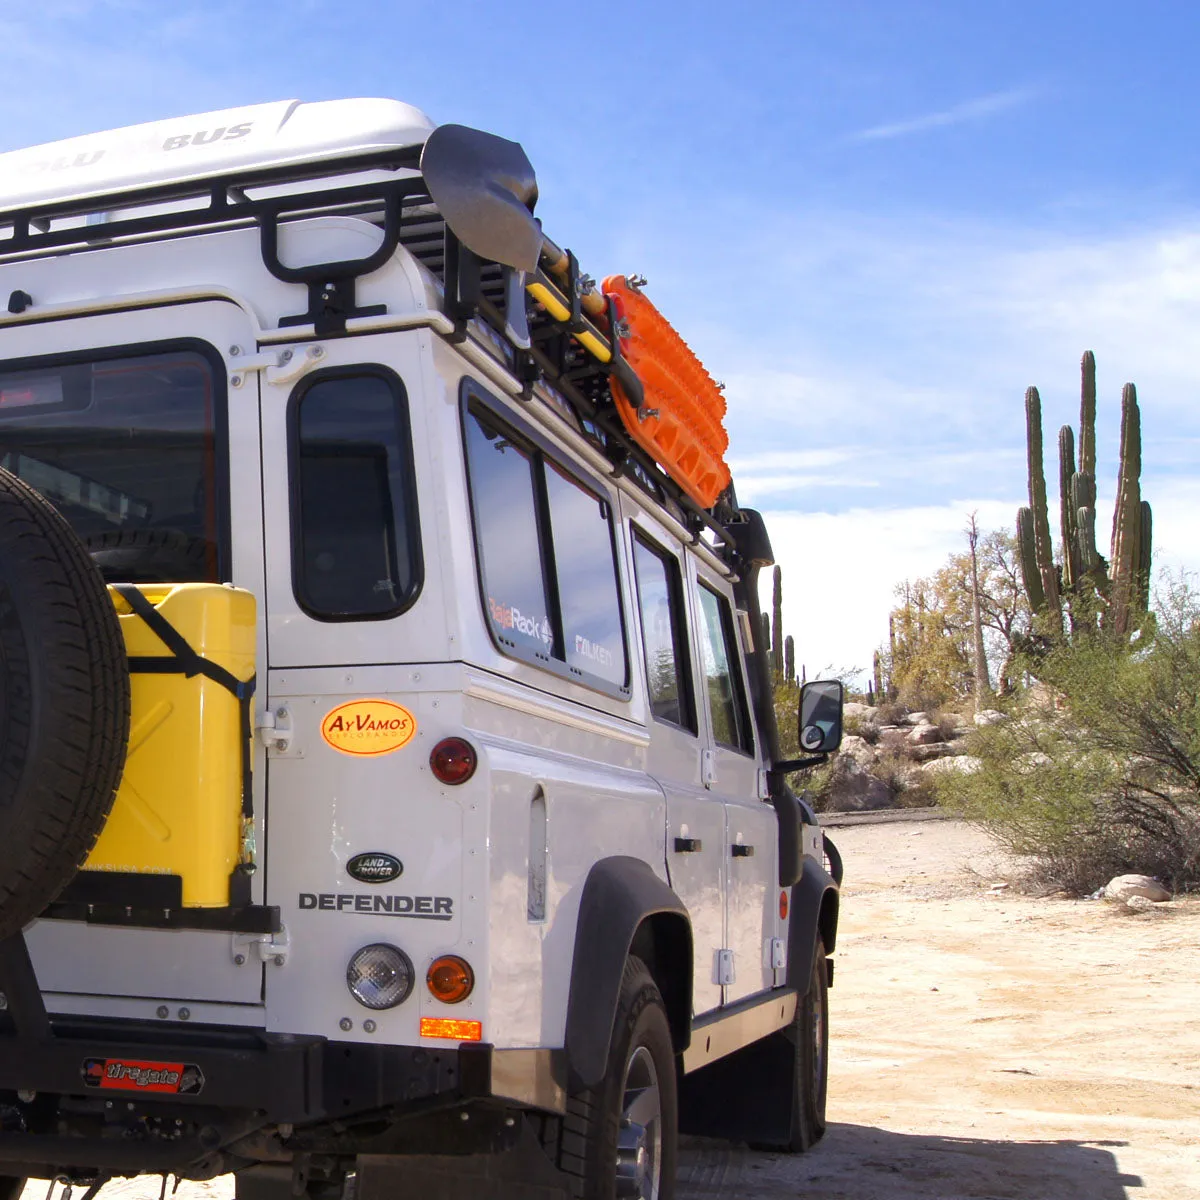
(688, 845)
(738, 850)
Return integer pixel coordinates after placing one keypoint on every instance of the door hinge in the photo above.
(724, 968)
(279, 366)
(777, 948)
(274, 728)
(267, 947)
(708, 767)
(764, 786)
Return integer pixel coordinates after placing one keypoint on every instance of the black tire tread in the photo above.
(571, 1140)
(65, 714)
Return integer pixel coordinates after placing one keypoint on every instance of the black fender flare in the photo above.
(622, 900)
(812, 915)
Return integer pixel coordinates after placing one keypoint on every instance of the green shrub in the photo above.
(1107, 779)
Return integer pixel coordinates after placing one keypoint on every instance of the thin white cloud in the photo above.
(970, 110)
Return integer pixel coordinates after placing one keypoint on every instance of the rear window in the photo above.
(547, 557)
(130, 449)
(356, 554)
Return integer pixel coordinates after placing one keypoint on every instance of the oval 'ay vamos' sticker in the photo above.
(369, 727)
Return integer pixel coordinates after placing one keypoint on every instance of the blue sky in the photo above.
(876, 222)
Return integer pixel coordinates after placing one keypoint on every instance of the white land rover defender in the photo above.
(390, 793)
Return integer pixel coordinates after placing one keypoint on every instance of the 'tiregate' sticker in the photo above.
(137, 1075)
(369, 727)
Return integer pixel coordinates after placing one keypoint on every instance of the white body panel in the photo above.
(568, 773)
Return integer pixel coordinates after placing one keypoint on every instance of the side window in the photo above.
(722, 677)
(660, 604)
(356, 552)
(581, 529)
(547, 556)
(506, 530)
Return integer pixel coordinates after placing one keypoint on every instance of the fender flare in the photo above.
(620, 895)
(813, 915)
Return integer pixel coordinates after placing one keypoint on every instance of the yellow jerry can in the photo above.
(179, 809)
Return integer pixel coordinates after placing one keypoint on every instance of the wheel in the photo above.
(64, 704)
(619, 1138)
(810, 1030)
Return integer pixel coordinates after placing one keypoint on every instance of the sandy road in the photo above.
(985, 1045)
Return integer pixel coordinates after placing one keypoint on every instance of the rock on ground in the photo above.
(859, 749)
(989, 716)
(925, 735)
(1123, 887)
(852, 789)
(863, 712)
(962, 764)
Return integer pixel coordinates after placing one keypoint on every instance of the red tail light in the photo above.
(453, 760)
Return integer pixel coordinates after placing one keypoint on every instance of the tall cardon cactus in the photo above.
(1104, 596)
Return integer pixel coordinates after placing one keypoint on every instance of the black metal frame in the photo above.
(472, 288)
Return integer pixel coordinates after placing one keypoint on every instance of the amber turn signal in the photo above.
(783, 906)
(453, 760)
(455, 1031)
(450, 979)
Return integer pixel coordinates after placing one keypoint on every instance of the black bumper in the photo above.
(282, 1078)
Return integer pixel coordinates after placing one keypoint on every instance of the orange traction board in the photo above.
(681, 422)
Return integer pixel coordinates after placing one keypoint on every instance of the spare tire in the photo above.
(64, 703)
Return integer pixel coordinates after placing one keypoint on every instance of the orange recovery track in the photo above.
(681, 422)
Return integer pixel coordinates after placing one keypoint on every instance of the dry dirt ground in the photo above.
(985, 1045)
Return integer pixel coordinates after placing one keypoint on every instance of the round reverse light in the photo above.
(450, 979)
(380, 976)
(453, 760)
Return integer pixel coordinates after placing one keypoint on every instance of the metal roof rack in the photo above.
(569, 346)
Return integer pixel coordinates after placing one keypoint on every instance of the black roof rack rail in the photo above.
(472, 288)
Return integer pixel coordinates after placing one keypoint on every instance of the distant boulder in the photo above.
(860, 750)
(1123, 887)
(853, 789)
(925, 735)
(989, 716)
(962, 764)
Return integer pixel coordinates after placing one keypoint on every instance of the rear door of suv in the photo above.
(129, 423)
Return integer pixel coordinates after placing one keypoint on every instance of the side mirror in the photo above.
(485, 189)
(820, 724)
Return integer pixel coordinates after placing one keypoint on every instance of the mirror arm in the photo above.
(799, 764)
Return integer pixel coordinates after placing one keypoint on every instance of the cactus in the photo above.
(1145, 545)
(1069, 515)
(878, 676)
(1087, 415)
(1050, 608)
(1097, 597)
(1124, 558)
(789, 659)
(777, 622)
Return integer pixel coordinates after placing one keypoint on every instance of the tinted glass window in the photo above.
(580, 526)
(355, 520)
(660, 606)
(127, 450)
(722, 680)
(506, 528)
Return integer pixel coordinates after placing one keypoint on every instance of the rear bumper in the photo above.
(282, 1078)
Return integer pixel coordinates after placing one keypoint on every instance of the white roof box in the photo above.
(192, 148)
